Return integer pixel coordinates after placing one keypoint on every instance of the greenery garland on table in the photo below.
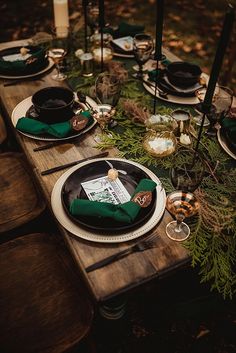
(212, 243)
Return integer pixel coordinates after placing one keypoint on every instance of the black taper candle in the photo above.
(223, 42)
(158, 45)
(85, 3)
(159, 28)
(220, 52)
(155, 90)
(101, 25)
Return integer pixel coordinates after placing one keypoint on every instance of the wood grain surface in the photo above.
(44, 305)
(118, 277)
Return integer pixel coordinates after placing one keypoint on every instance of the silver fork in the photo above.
(148, 243)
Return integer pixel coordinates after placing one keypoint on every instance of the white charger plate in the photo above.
(21, 109)
(75, 229)
(121, 55)
(223, 144)
(47, 68)
(171, 98)
(174, 99)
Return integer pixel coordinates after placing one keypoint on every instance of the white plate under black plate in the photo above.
(40, 72)
(223, 142)
(171, 98)
(108, 237)
(117, 51)
(21, 109)
(123, 55)
(129, 175)
(166, 86)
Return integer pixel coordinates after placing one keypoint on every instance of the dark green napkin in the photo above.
(36, 62)
(36, 127)
(152, 73)
(229, 125)
(125, 213)
(124, 29)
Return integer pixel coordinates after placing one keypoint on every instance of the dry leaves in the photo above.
(137, 113)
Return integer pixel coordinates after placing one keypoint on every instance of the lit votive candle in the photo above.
(107, 54)
(183, 120)
(86, 60)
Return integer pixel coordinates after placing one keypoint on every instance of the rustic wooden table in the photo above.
(121, 276)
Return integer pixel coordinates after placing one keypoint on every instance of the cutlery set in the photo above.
(148, 243)
(71, 164)
(57, 143)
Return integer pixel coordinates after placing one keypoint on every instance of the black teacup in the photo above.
(54, 104)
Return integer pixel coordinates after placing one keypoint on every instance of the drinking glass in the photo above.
(221, 105)
(57, 54)
(181, 205)
(200, 94)
(107, 92)
(142, 48)
(107, 89)
(189, 170)
(93, 16)
(185, 176)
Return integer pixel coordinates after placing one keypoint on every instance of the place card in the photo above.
(16, 57)
(104, 189)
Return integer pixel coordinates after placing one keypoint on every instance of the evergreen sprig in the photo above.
(212, 243)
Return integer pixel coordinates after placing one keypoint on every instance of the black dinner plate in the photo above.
(31, 70)
(117, 49)
(164, 85)
(72, 189)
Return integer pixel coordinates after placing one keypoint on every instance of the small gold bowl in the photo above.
(160, 144)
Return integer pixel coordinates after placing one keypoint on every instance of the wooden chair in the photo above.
(20, 198)
(44, 306)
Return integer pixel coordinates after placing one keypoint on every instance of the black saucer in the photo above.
(33, 114)
(180, 92)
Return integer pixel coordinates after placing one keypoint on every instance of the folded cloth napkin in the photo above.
(124, 29)
(125, 213)
(36, 127)
(152, 73)
(229, 125)
(36, 62)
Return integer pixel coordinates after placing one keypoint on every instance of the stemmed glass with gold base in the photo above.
(221, 104)
(57, 55)
(142, 48)
(185, 176)
(57, 51)
(181, 205)
(107, 92)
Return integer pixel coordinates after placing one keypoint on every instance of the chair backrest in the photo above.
(44, 305)
(21, 201)
(3, 130)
